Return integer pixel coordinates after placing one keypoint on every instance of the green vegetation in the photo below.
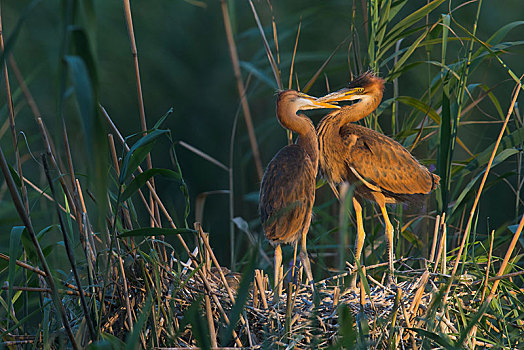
(100, 231)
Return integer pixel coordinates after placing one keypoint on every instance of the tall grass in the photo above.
(99, 256)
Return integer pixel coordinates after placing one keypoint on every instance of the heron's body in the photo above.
(381, 169)
(374, 163)
(287, 192)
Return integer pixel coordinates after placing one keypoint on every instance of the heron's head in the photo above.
(301, 101)
(363, 87)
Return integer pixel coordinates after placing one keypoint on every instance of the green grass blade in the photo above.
(492, 53)
(445, 31)
(421, 106)
(441, 339)
(138, 152)
(160, 121)
(400, 63)
(498, 36)
(413, 18)
(347, 332)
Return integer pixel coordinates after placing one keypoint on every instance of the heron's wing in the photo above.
(380, 162)
(287, 194)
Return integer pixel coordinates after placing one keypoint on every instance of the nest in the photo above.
(384, 313)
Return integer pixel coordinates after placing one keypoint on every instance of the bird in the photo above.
(287, 191)
(380, 168)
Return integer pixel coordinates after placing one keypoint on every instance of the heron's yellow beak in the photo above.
(317, 103)
(345, 94)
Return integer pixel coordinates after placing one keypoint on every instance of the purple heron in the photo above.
(287, 191)
(381, 169)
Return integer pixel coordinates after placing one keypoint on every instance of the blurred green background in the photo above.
(185, 64)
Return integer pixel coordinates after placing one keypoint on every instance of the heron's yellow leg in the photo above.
(278, 266)
(293, 277)
(389, 237)
(361, 236)
(305, 258)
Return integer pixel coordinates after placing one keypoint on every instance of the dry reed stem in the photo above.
(241, 89)
(441, 251)
(444, 248)
(336, 296)
(255, 291)
(24, 265)
(203, 155)
(143, 123)
(209, 312)
(290, 83)
(275, 35)
(506, 258)
(435, 236)
(479, 192)
(273, 64)
(260, 282)
(315, 76)
(418, 295)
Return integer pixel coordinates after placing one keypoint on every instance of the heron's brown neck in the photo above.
(352, 113)
(328, 130)
(302, 125)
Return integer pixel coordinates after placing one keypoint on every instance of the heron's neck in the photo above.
(309, 142)
(302, 125)
(359, 110)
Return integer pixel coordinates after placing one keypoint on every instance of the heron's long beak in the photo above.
(345, 94)
(317, 102)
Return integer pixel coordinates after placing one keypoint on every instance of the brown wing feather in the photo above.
(384, 162)
(287, 194)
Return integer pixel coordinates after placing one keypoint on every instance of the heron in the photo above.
(381, 169)
(287, 191)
